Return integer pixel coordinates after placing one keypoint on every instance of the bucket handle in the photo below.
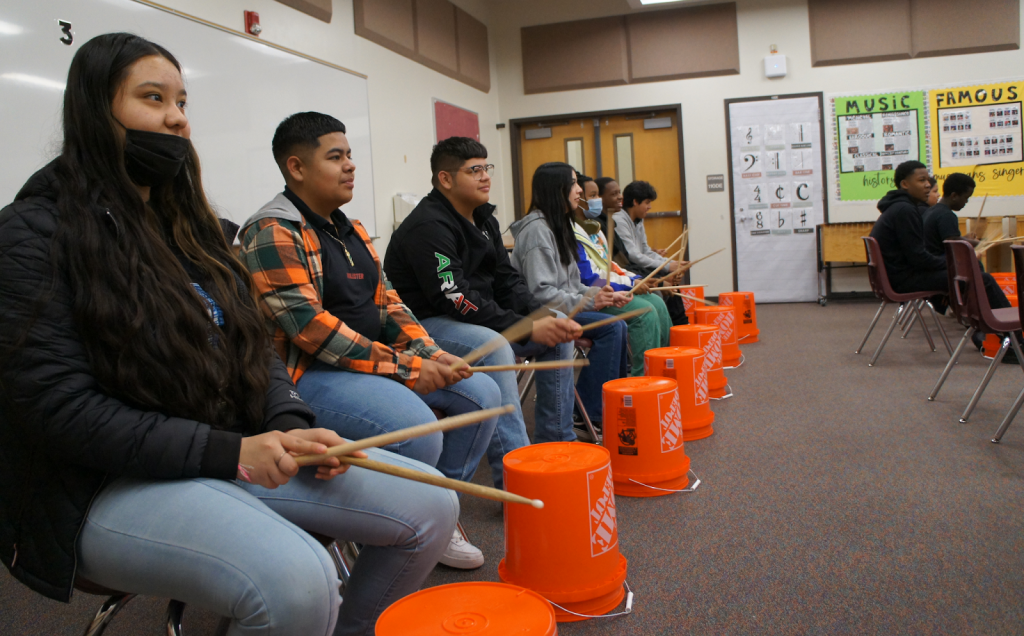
(628, 609)
(696, 482)
(743, 359)
(728, 393)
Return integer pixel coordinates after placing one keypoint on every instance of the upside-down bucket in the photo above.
(480, 608)
(644, 433)
(568, 552)
(686, 366)
(725, 318)
(697, 291)
(706, 338)
(1007, 283)
(746, 313)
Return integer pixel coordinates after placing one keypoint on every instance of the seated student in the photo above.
(147, 426)
(356, 353)
(545, 254)
(646, 331)
(448, 262)
(933, 193)
(629, 224)
(910, 265)
(940, 221)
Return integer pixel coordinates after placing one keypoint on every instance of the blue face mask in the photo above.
(594, 208)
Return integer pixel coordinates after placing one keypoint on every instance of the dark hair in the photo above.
(552, 183)
(904, 170)
(582, 178)
(636, 192)
(957, 183)
(601, 183)
(449, 154)
(144, 327)
(301, 130)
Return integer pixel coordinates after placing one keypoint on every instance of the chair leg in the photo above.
(984, 381)
(949, 365)
(904, 312)
(912, 312)
(531, 377)
(885, 338)
(594, 435)
(1017, 350)
(1012, 413)
(175, 610)
(871, 327)
(106, 613)
(938, 325)
(924, 327)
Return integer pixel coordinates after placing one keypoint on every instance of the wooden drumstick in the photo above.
(590, 293)
(611, 248)
(442, 482)
(516, 332)
(692, 263)
(659, 268)
(700, 300)
(611, 319)
(533, 366)
(447, 424)
(982, 207)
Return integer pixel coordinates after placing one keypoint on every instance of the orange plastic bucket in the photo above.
(568, 552)
(707, 339)
(992, 341)
(644, 433)
(480, 608)
(725, 318)
(686, 366)
(746, 312)
(689, 305)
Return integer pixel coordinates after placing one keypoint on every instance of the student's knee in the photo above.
(426, 449)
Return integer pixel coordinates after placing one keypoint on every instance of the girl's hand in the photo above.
(604, 298)
(330, 467)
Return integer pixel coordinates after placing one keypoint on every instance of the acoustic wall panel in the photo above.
(388, 23)
(680, 43)
(980, 26)
(435, 35)
(319, 9)
(550, 53)
(844, 32)
(474, 52)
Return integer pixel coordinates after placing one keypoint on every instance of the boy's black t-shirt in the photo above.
(940, 223)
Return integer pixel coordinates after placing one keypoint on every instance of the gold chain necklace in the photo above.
(348, 255)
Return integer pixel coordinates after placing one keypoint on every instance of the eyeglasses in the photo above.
(478, 171)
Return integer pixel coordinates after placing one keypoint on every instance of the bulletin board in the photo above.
(776, 194)
(452, 121)
(976, 130)
(871, 135)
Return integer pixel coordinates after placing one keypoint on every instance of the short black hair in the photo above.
(932, 180)
(449, 154)
(582, 178)
(957, 183)
(904, 170)
(302, 130)
(601, 183)
(636, 192)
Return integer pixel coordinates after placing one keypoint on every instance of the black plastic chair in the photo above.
(1018, 266)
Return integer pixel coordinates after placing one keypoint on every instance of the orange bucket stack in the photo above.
(689, 305)
(686, 366)
(481, 608)
(643, 431)
(706, 338)
(725, 318)
(568, 552)
(1008, 283)
(746, 312)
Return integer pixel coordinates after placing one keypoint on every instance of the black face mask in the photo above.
(152, 158)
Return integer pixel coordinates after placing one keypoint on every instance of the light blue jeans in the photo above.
(359, 405)
(553, 413)
(236, 549)
(608, 361)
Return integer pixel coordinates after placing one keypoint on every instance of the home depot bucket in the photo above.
(706, 338)
(1007, 283)
(644, 433)
(480, 608)
(725, 318)
(568, 552)
(686, 366)
(697, 291)
(746, 312)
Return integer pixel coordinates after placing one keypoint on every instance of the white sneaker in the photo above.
(462, 554)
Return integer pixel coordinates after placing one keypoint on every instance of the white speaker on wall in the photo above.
(775, 66)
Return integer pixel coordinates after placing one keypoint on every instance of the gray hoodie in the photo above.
(634, 239)
(536, 257)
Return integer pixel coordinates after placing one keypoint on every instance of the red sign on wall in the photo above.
(452, 121)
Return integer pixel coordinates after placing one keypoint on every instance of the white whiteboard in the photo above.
(777, 191)
(239, 90)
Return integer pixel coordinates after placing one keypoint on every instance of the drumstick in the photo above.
(533, 366)
(611, 319)
(1005, 240)
(700, 300)
(447, 424)
(517, 331)
(983, 247)
(590, 293)
(659, 268)
(442, 482)
(982, 207)
(692, 263)
(611, 247)
(678, 238)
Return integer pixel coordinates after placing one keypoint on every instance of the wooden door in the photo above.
(566, 137)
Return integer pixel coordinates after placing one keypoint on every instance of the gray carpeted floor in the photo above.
(835, 500)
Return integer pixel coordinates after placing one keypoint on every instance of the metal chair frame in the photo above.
(530, 376)
(1018, 266)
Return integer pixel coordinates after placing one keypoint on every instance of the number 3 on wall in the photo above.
(65, 28)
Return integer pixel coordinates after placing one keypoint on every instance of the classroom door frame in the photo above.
(728, 149)
(515, 134)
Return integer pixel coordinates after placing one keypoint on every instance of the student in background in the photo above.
(933, 193)
(940, 221)
(611, 200)
(147, 427)
(355, 351)
(546, 255)
(448, 262)
(629, 224)
(646, 331)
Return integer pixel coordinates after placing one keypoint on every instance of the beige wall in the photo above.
(761, 23)
(400, 90)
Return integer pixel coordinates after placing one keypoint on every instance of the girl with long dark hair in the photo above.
(147, 428)
(545, 254)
